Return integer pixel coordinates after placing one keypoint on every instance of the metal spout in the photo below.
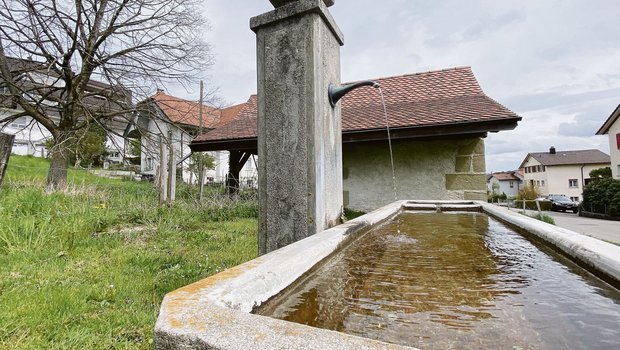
(335, 93)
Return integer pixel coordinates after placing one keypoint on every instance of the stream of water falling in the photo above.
(387, 126)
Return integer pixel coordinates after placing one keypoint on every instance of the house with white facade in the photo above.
(169, 120)
(611, 127)
(506, 182)
(562, 172)
(30, 136)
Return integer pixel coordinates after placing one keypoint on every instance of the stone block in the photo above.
(479, 164)
(472, 182)
(476, 147)
(475, 196)
(463, 164)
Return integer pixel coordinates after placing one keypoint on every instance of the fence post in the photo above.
(524, 207)
(538, 207)
(172, 173)
(6, 145)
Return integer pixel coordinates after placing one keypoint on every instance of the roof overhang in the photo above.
(609, 122)
(439, 131)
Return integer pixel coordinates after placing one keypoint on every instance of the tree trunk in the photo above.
(57, 174)
(6, 146)
(60, 154)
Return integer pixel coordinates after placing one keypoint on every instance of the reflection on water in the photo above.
(455, 280)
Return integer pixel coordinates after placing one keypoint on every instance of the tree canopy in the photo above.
(71, 64)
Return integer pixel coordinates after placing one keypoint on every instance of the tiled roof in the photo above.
(443, 97)
(588, 156)
(244, 126)
(185, 112)
(505, 176)
(229, 113)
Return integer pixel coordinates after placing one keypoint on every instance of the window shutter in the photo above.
(618, 140)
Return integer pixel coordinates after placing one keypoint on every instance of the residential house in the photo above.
(506, 182)
(438, 121)
(34, 80)
(611, 127)
(562, 172)
(176, 121)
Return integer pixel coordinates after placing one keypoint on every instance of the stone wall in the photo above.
(450, 169)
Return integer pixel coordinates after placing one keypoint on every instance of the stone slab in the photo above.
(296, 9)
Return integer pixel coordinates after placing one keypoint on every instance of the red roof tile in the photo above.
(504, 176)
(242, 127)
(186, 112)
(433, 98)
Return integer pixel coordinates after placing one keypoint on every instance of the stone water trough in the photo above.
(216, 312)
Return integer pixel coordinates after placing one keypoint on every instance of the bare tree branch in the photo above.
(70, 64)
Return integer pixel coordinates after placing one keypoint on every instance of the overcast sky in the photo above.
(556, 63)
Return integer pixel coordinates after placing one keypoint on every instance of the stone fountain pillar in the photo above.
(299, 133)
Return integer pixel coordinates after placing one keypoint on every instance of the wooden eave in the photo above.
(439, 131)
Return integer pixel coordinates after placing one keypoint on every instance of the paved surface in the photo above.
(605, 230)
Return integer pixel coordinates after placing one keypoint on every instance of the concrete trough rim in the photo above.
(596, 256)
(186, 316)
(203, 315)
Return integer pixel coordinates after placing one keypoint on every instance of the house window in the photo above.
(512, 185)
(542, 183)
(537, 183)
(572, 183)
(19, 123)
(149, 164)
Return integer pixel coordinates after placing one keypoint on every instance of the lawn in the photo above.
(88, 268)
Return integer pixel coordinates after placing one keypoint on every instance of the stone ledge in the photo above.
(295, 9)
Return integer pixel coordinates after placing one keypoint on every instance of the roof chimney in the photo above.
(160, 91)
(552, 150)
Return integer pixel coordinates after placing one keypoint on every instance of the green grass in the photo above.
(87, 268)
(545, 218)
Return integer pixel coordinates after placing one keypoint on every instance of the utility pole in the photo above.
(201, 177)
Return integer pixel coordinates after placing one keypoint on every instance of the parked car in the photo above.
(560, 202)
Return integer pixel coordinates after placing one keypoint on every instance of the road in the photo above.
(605, 230)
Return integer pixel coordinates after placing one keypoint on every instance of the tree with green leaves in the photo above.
(72, 64)
(204, 158)
(601, 173)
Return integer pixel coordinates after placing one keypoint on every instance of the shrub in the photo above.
(602, 196)
(351, 214)
(528, 192)
(544, 217)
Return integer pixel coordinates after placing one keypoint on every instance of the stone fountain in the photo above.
(299, 132)
(300, 198)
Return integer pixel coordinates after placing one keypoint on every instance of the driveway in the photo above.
(605, 230)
